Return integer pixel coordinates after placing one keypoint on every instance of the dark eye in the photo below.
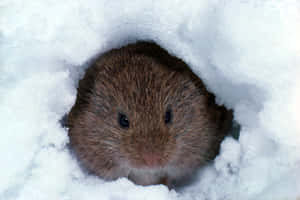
(123, 120)
(168, 116)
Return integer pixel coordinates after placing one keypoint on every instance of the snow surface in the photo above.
(246, 51)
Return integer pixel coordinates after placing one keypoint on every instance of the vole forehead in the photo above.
(142, 84)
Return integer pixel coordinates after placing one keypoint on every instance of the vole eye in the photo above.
(123, 120)
(168, 116)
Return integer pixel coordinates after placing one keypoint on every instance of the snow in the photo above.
(247, 53)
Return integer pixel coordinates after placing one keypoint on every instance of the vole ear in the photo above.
(220, 115)
(210, 100)
(225, 118)
(228, 124)
(64, 121)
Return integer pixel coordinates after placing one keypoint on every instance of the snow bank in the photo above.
(247, 53)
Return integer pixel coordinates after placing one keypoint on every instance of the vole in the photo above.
(141, 113)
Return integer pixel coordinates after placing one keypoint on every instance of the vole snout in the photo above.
(151, 149)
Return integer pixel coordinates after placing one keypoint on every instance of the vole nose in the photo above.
(151, 159)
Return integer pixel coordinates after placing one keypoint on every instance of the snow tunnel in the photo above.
(246, 52)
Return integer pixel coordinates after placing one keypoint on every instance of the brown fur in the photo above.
(142, 81)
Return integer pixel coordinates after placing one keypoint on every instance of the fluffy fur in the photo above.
(143, 81)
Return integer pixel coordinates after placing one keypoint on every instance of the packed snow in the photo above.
(247, 52)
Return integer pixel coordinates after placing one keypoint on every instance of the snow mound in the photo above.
(247, 53)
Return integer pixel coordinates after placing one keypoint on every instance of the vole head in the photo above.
(140, 108)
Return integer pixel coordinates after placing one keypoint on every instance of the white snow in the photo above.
(246, 51)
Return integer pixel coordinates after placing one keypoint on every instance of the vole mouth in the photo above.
(148, 160)
(152, 160)
(153, 175)
(144, 170)
(149, 164)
